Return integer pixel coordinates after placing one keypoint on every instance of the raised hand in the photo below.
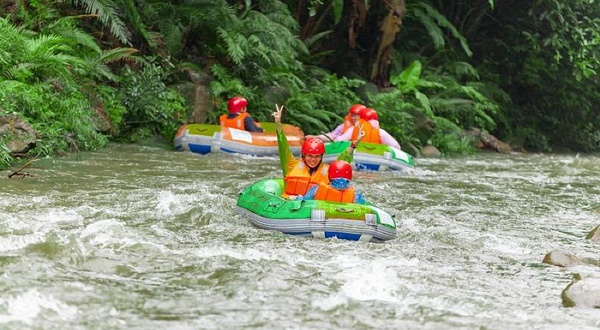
(361, 134)
(277, 114)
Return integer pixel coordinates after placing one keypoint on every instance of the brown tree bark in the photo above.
(358, 16)
(390, 26)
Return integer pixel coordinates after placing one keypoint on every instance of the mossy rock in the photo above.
(594, 235)
(562, 259)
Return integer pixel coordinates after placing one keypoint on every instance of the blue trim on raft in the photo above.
(329, 234)
(351, 237)
(369, 167)
(230, 151)
(238, 152)
(199, 148)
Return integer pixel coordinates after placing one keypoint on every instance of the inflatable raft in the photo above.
(263, 205)
(370, 156)
(203, 138)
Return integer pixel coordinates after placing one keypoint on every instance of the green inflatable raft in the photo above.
(265, 208)
(371, 157)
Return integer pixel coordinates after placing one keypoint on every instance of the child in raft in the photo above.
(338, 189)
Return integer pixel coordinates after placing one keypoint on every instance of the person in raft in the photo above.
(338, 189)
(373, 133)
(310, 170)
(351, 120)
(238, 117)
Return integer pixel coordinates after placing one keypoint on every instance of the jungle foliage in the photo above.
(84, 72)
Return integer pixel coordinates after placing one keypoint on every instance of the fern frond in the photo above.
(234, 42)
(115, 54)
(432, 28)
(67, 28)
(442, 21)
(107, 14)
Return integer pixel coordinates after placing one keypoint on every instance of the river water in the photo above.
(135, 237)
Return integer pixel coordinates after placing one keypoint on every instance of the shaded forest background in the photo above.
(83, 72)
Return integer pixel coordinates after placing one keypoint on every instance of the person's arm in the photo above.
(310, 194)
(358, 198)
(346, 136)
(386, 138)
(288, 162)
(250, 125)
(348, 154)
(336, 132)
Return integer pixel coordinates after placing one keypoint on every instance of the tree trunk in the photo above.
(389, 29)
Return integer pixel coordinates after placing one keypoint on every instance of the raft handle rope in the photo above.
(345, 210)
(371, 219)
(317, 215)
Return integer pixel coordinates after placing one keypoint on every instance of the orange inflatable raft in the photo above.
(203, 138)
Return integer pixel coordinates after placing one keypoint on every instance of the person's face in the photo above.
(312, 161)
(340, 183)
(354, 118)
(243, 110)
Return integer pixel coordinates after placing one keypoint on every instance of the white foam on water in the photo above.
(113, 234)
(366, 280)
(16, 242)
(507, 246)
(25, 229)
(182, 198)
(28, 306)
(101, 226)
(243, 254)
(167, 201)
(59, 216)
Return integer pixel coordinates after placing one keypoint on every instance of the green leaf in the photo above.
(432, 28)
(424, 101)
(444, 22)
(310, 41)
(429, 84)
(338, 7)
(408, 79)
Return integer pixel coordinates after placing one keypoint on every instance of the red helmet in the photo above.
(369, 114)
(340, 169)
(313, 146)
(236, 104)
(356, 109)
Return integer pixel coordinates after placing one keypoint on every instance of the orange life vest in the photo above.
(325, 192)
(299, 180)
(347, 124)
(371, 133)
(235, 122)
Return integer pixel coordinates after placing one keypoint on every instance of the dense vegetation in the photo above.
(83, 72)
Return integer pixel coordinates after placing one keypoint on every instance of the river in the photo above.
(142, 237)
